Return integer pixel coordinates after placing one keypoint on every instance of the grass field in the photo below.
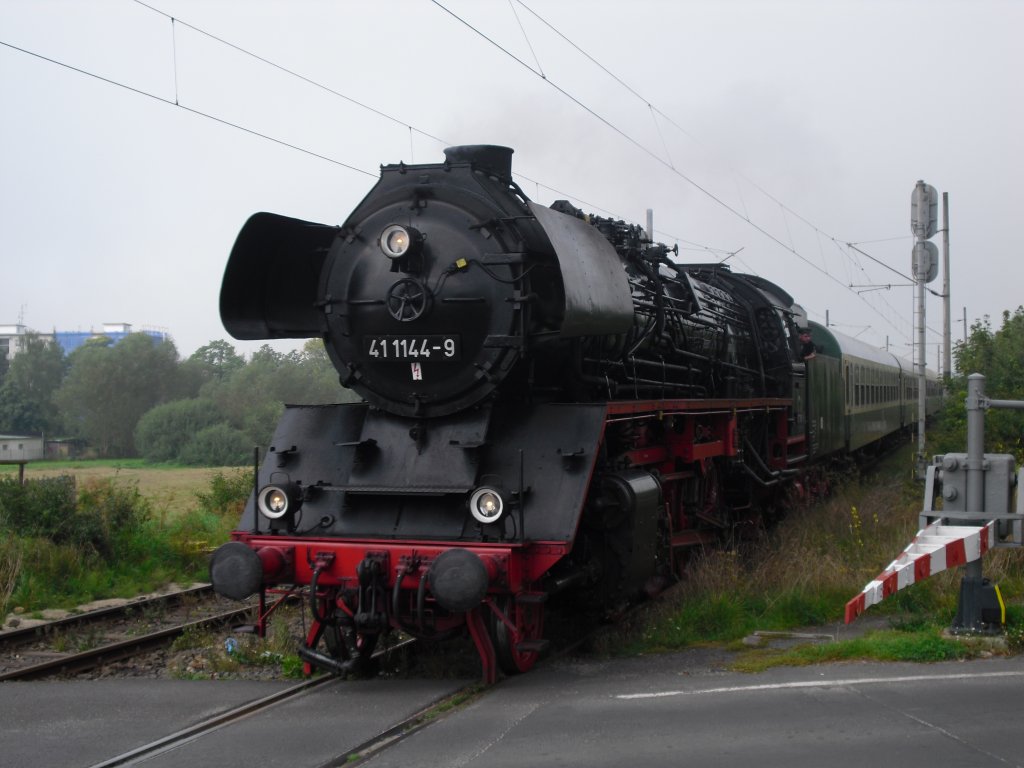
(171, 490)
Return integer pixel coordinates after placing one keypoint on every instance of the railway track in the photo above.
(172, 741)
(89, 640)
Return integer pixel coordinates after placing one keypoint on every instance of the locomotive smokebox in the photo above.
(458, 579)
(484, 157)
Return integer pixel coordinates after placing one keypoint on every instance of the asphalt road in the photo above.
(675, 710)
(665, 712)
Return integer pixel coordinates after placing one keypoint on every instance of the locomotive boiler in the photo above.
(551, 403)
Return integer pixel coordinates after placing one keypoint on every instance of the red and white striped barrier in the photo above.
(934, 549)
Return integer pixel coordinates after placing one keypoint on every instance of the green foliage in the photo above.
(10, 569)
(999, 356)
(109, 388)
(60, 549)
(253, 397)
(42, 508)
(138, 397)
(799, 574)
(219, 445)
(218, 360)
(227, 494)
(116, 516)
(220, 507)
(103, 542)
(164, 431)
(99, 520)
(27, 403)
(922, 645)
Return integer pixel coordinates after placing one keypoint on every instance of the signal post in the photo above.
(924, 223)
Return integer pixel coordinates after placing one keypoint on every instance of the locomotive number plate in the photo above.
(430, 348)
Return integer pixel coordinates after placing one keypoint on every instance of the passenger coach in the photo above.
(859, 394)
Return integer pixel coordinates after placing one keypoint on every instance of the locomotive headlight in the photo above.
(276, 501)
(397, 241)
(486, 505)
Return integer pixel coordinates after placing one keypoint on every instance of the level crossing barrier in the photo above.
(968, 510)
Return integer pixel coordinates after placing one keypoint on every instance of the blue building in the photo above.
(71, 340)
(12, 337)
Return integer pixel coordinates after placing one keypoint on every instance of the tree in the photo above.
(253, 397)
(27, 395)
(109, 388)
(999, 356)
(216, 361)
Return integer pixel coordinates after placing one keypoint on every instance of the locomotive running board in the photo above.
(935, 548)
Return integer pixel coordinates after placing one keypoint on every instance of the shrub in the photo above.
(228, 493)
(39, 508)
(10, 568)
(220, 445)
(164, 431)
(112, 517)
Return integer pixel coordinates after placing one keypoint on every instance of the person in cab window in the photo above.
(807, 348)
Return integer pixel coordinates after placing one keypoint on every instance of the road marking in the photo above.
(818, 684)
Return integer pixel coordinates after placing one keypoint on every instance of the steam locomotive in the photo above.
(552, 404)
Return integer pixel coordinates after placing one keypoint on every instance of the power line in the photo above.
(369, 108)
(174, 21)
(178, 104)
(191, 110)
(289, 72)
(745, 216)
(622, 133)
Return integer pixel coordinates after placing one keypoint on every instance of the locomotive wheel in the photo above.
(529, 622)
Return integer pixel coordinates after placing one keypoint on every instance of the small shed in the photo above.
(17, 449)
(63, 448)
(20, 449)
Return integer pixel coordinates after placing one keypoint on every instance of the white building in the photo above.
(19, 448)
(11, 339)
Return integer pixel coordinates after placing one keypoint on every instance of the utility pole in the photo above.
(924, 221)
(947, 356)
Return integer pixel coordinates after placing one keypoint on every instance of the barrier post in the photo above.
(976, 593)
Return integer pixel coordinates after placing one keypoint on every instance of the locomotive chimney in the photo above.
(485, 157)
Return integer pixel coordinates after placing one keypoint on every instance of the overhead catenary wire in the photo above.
(287, 71)
(643, 148)
(376, 111)
(176, 102)
(191, 110)
(655, 111)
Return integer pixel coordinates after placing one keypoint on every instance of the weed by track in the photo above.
(801, 574)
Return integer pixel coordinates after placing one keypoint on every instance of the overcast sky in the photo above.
(770, 127)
